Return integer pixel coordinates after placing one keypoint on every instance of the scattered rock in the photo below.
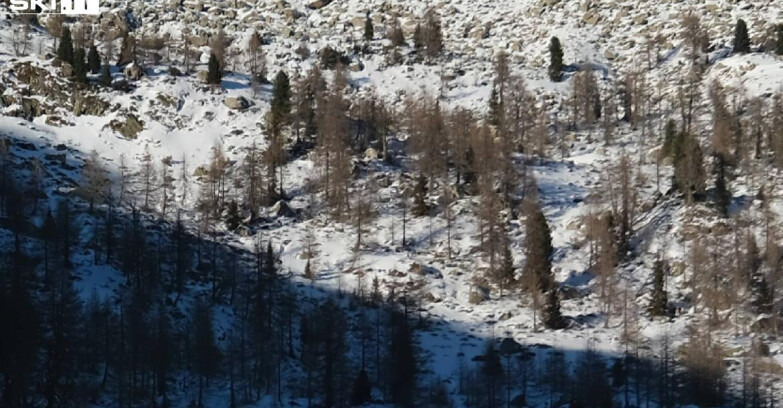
(237, 102)
(591, 17)
(640, 19)
(133, 71)
(58, 158)
(32, 108)
(89, 105)
(478, 294)
(318, 4)
(66, 69)
(570, 292)
(57, 121)
(371, 154)
(282, 209)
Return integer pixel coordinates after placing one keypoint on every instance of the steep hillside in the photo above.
(202, 252)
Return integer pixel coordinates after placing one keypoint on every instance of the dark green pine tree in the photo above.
(65, 50)
(555, 60)
(402, 358)
(49, 237)
(659, 301)
(618, 373)
(506, 275)
(552, 317)
(538, 247)
(94, 60)
(494, 106)
(63, 325)
(492, 371)
(669, 137)
(761, 293)
(417, 38)
(270, 263)
(362, 390)
(19, 346)
(722, 193)
(741, 39)
(105, 78)
(233, 219)
(214, 72)
(467, 168)
(779, 39)
(280, 110)
(205, 349)
(689, 175)
(369, 31)
(308, 271)
(420, 207)
(80, 65)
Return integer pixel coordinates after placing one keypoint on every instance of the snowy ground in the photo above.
(198, 121)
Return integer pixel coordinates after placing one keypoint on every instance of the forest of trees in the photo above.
(194, 314)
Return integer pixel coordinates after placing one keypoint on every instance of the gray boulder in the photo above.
(237, 102)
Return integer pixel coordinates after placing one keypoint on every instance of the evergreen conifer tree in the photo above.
(659, 301)
(420, 207)
(65, 50)
(741, 39)
(417, 38)
(402, 357)
(669, 137)
(494, 106)
(105, 78)
(94, 60)
(555, 60)
(552, 317)
(395, 33)
(270, 263)
(506, 272)
(689, 175)
(779, 39)
(722, 194)
(233, 219)
(80, 65)
(205, 349)
(369, 31)
(538, 246)
(362, 390)
(761, 292)
(308, 271)
(214, 73)
(280, 110)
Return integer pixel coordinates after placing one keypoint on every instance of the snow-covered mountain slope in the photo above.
(178, 116)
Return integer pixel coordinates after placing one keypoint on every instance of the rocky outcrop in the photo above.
(52, 92)
(89, 105)
(129, 127)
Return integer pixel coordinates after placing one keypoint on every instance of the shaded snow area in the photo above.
(439, 276)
